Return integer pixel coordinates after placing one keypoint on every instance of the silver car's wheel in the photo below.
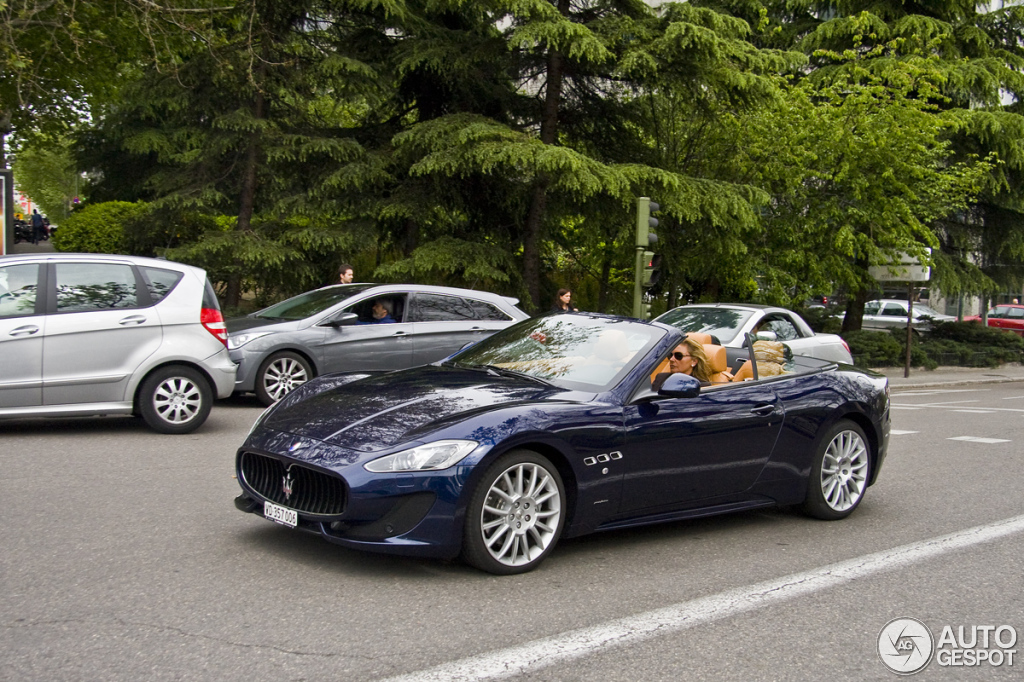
(839, 475)
(175, 400)
(517, 514)
(280, 374)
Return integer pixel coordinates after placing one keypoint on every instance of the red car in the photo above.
(1008, 316)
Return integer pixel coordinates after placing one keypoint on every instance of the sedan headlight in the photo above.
(430, 457)
(239, 340)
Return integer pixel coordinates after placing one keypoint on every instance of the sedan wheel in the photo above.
(839, 475)
(280, 374)
(515, 514)
(175, 400)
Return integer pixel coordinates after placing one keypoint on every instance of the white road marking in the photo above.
(897, 432)
(905, 407)
(974, 411)
(630, 630)
(976, 439)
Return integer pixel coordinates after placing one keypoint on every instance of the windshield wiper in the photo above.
(504, 371)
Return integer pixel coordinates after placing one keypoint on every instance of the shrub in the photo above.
(98, 228)
(964, 344)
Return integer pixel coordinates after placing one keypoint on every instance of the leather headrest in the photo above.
(717, 357)
(700, 337)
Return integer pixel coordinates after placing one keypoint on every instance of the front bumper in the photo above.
(247, 363)
(413, 514)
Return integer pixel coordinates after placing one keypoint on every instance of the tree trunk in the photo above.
(854, 318)
(247, 197)
(533, 230)
(5, 130)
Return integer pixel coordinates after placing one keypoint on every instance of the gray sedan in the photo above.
(335, 329)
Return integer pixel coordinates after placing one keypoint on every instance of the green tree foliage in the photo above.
(46, 171)
(98, 228)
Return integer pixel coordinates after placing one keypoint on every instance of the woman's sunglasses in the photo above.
(679, 356)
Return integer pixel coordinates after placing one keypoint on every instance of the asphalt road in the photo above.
(122, 558)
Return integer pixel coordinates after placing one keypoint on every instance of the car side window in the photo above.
(160, 282)
(893, 310)
(83, 287)
(18, 290)
(872, 308)
(487, 311)
(784, 329)
(439, 308)
(1015, 313)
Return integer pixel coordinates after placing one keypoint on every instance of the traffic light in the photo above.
(645, 222)
(647, 268)
(652, 271)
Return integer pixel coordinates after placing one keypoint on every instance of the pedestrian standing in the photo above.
(563, 302)
(345, 274)
(37, 226)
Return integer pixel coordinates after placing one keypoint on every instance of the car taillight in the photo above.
(846, 346)
(214, 323)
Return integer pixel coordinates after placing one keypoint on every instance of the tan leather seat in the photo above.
(718, 363)
(700, 337)
(744, 373)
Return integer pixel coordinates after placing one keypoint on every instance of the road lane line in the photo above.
(899, 432)
(633, 629)
(976, 439)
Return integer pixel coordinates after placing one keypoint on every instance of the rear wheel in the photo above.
(839, 473)
(175, 399)
(515, 515)
(280, 374)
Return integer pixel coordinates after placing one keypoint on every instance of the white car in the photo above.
(729, 323)
(888, 313)
(94, 334)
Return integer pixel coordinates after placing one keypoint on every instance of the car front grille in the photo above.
(312, 491)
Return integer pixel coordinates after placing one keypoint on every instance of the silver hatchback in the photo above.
(336, 329)
(87, 334)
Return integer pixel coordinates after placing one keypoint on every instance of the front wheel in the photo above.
(515, 515)
(175, 399)
(839, 473)
(280, 374)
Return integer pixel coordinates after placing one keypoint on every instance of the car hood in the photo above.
(380, 411)
(241, 324)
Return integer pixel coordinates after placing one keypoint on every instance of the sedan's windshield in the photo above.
(312, 302)
(573, 351)
(723, 323)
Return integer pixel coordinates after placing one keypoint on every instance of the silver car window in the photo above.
(160, 282)
(18, 290)
(82, 287)
(487, 311)
(439, 308)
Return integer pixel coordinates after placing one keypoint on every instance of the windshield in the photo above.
(921, 310)
(573, 351)
(312, 302)
(723, 323)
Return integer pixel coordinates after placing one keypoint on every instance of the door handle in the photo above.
(132, 319)
(27, 330)
(399, 334)
(763, 409)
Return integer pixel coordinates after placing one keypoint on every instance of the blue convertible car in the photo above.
(550, 429)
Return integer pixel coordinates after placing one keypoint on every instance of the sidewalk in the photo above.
(951, 376)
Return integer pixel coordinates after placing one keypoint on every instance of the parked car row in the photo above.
(88, 334)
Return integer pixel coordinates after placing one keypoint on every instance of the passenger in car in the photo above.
(687, 358)
(382, 309)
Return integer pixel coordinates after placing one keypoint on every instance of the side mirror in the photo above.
(680, 386)
(343, 320)
(767, 336)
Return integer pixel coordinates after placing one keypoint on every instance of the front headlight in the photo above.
(429, 457)
(238, 340)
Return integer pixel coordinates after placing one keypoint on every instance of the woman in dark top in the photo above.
(562, 304)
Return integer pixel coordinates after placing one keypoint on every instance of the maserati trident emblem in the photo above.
(286, 485)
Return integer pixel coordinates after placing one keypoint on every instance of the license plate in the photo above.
(283, 515)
